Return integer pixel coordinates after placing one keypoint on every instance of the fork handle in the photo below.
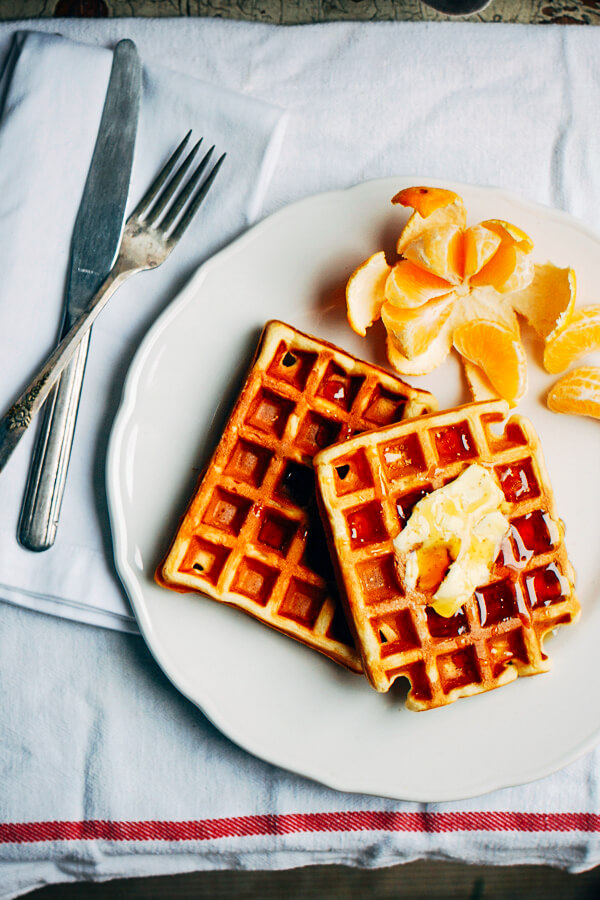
(16, 420)
(48, 472)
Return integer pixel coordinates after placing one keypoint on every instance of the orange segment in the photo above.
(547, 303)
(580, 335)
(440, 251)
(480, 245)
(365, 292)
(509, 269)
(509, 234)
(578, 393)
(408, 285)
(435, 208)
(499, 352)
(414, 330)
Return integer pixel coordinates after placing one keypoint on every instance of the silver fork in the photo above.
(150, 234)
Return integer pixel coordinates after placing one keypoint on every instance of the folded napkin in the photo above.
(53, 90)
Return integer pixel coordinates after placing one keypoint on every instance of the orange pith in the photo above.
(415, 329)
(547, 303)
(578, 393)
(365, 292)
(458, 286)
(579, 335)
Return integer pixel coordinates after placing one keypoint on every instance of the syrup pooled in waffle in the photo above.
(252, 537)
(368, 489)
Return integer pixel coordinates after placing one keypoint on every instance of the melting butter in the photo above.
(462, 523)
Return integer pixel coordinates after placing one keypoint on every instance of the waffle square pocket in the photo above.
(368, 489)
(251, 536)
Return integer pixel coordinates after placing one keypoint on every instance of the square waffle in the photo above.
(368, 488)
(252, 536)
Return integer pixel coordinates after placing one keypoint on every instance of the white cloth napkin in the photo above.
(54, 91)
(106, 770)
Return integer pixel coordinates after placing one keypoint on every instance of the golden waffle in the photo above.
(368, 488)
(251, 536)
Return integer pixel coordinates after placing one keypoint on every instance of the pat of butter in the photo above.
(464, 519)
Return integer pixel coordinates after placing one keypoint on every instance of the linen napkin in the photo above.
(52, 90)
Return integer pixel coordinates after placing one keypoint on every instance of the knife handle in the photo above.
(48, 472)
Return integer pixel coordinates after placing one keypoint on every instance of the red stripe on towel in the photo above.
(295, 823)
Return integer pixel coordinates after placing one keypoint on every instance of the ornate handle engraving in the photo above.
(20, 413)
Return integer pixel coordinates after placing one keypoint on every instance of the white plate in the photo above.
(278, 699)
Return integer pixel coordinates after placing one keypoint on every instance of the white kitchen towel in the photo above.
(53, 92)
(105, 769)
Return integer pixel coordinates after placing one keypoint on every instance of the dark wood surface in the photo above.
(293, 12)
(424, 880)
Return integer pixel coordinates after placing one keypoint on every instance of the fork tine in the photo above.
(168, 192)
(197, 200)
(160, 179)
(186, 193)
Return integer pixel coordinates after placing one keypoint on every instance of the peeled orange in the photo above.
(464, 287)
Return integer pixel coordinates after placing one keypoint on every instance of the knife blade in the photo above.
(94, 245)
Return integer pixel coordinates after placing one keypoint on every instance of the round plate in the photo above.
(274, 697)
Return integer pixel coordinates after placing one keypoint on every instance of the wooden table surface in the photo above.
(294, 12)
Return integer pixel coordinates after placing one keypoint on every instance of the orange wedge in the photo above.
(509, 234)
(547, 303)
(578, 393)
(365, 292)
(480, 244)
(509, 269)
(578, 336)
(408, 285)
(433, 208)
(439, 251)
(497, 350)
(414, 330)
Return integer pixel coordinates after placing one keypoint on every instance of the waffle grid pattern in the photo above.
(368, 489)
(252, 536)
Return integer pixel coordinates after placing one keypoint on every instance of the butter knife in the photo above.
(95, 241)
